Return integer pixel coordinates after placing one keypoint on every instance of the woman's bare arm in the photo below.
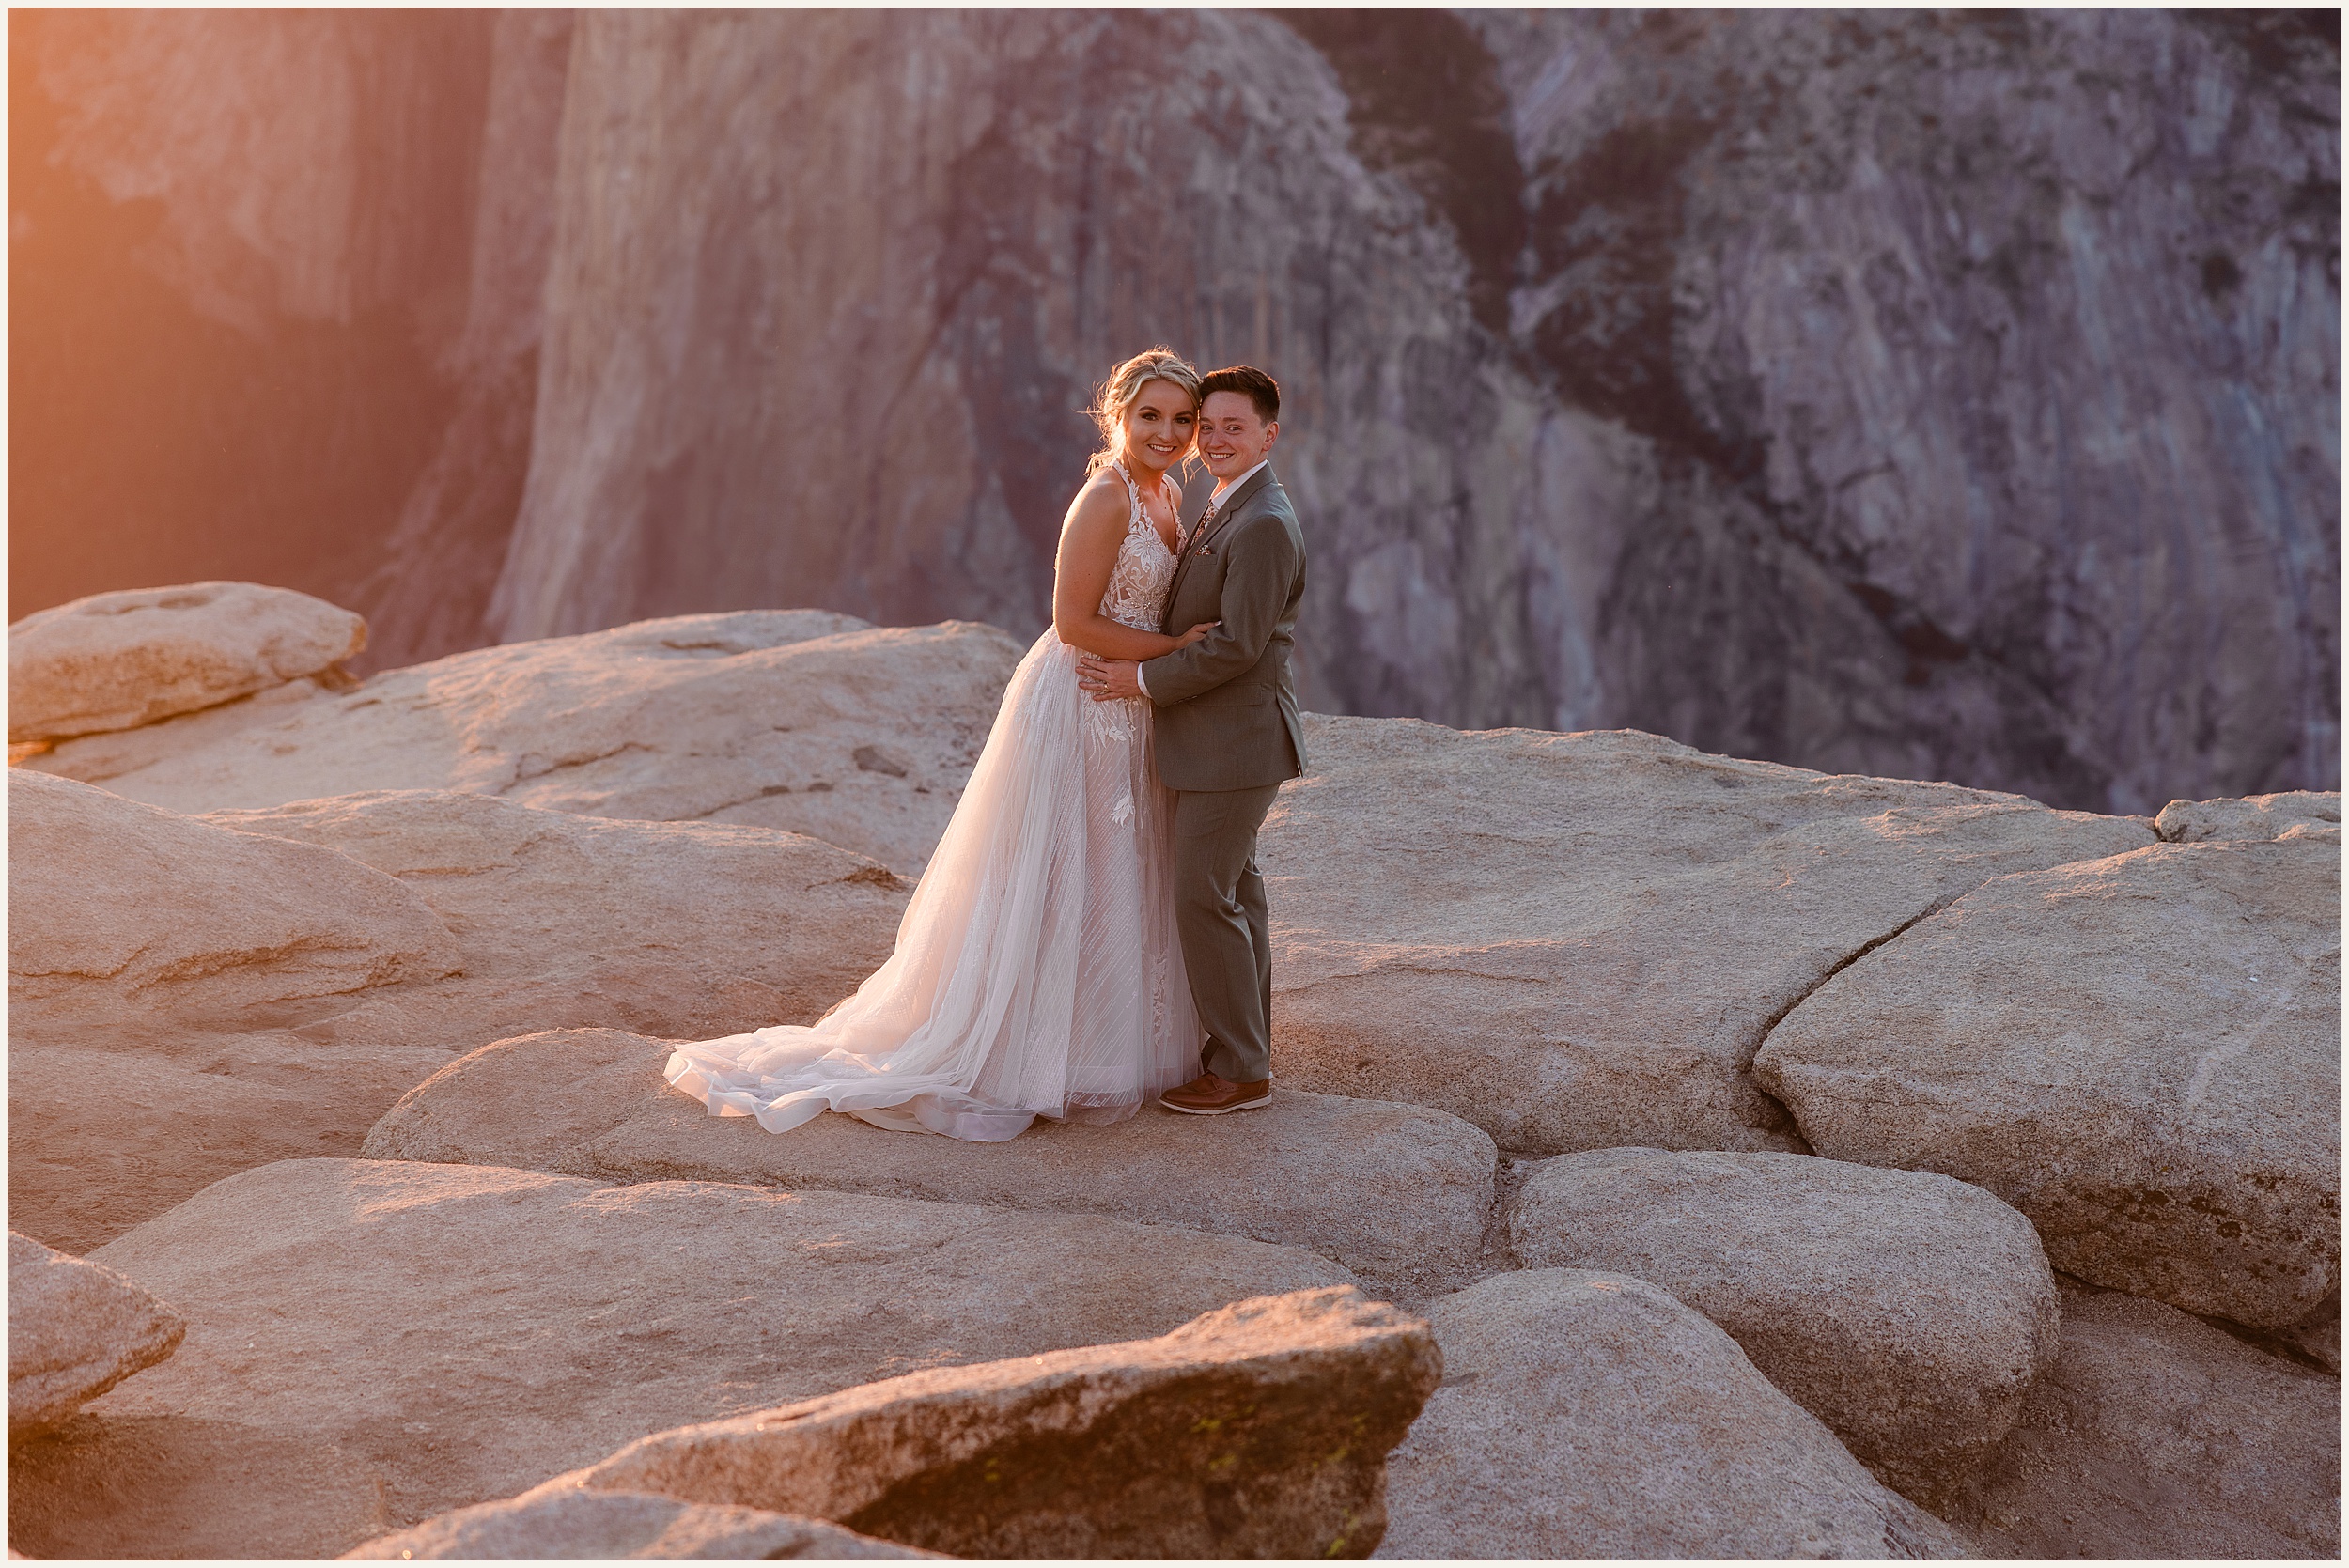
(1089, 542)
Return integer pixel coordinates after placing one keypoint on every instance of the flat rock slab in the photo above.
(688, 930)
(1395, 1192)
(113, 661)
(563, 1522)
(124, 910)
(173, 987)
(793, 718)
(1908, 1310)
(2142, 1053)
(2296, 813)
(1577, 941)
(370, 1344)
(2157, 1436)
(75, 1329)
(1258, 1431)
(1590, 1415)
(274, 998)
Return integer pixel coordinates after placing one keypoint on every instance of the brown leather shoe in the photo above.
(1211, 1096)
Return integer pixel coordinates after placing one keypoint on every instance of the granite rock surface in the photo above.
(682, 930)
(561, 1520)
(2156, 1436)
(2141, 1053)
(1587, 1414)
(1397, 1193)
(1908, 1312)
(316, 961)
(2302, 814)
(371, 1344)
(114, 661)
(1578, 942)
(800, 719)
(75, 1329)
(1260, 1429)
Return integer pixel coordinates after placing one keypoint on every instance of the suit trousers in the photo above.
(1227, 937)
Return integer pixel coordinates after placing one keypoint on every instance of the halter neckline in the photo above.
(1141, 513)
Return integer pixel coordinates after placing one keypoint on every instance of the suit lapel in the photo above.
(1229, 510)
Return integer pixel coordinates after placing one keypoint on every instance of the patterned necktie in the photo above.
(1199, 530)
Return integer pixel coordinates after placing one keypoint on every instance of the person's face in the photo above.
(1231, 437)
(1159, 426)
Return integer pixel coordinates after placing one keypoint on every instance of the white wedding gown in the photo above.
(1038, 971)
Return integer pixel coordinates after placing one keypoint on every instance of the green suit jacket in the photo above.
(1226, 707)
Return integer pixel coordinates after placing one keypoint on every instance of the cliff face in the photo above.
(274, 284)
(830, 292)
(1942, 396)
(1891, 394)
(1992, 364)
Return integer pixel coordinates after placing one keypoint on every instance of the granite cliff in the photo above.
(1941, 395)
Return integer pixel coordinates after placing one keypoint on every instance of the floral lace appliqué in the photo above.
(1135, 595)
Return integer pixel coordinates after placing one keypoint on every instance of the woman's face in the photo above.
(1159, 426)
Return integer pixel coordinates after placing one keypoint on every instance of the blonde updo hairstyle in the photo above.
(1117, 395)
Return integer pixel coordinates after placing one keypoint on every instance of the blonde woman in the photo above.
(1038, 971)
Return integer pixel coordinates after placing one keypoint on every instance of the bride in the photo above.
(1037, 971)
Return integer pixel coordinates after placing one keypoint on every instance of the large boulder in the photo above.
(1258, 1431)
(75, 1329)
(1395, 1192)
(113, 661)
(371, 1344)
(2156, 1436)
(796, 719)
(684, 930)
(274, 998)
(175, 992)
(124, 911)
(1590, 1415)
(1907, 1310)
(2298, 814)
(563, 1521)
(2142, 1053)
(1577, 941)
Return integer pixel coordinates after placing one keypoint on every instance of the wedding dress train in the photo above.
(1037, 971)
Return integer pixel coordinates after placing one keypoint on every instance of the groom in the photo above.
(1227, 731)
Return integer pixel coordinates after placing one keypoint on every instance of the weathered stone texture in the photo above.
(370, 1344)
(562, 1520)
(123, 910)
(2300, 813)
(1258, 1431)
(279, 276)
(75, 1329)
(114, 661)
(1908, 1312)
(1577, 941)
(1395, 1192)
(2142, 1053)
(271, 998)
(2156, 1436)
(688, 930)
(1590, 1415)
(800, 719)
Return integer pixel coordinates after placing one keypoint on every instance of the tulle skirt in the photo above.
(1037, 973)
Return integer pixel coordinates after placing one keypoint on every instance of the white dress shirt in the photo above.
(1213, 502)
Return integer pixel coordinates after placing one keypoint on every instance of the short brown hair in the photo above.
(1251, 383)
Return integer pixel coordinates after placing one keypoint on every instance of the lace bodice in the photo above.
(1137, 591)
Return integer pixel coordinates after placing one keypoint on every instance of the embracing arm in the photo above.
(1089, 542)
(1258, 574)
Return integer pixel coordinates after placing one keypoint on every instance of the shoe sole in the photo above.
(1217, 1111)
